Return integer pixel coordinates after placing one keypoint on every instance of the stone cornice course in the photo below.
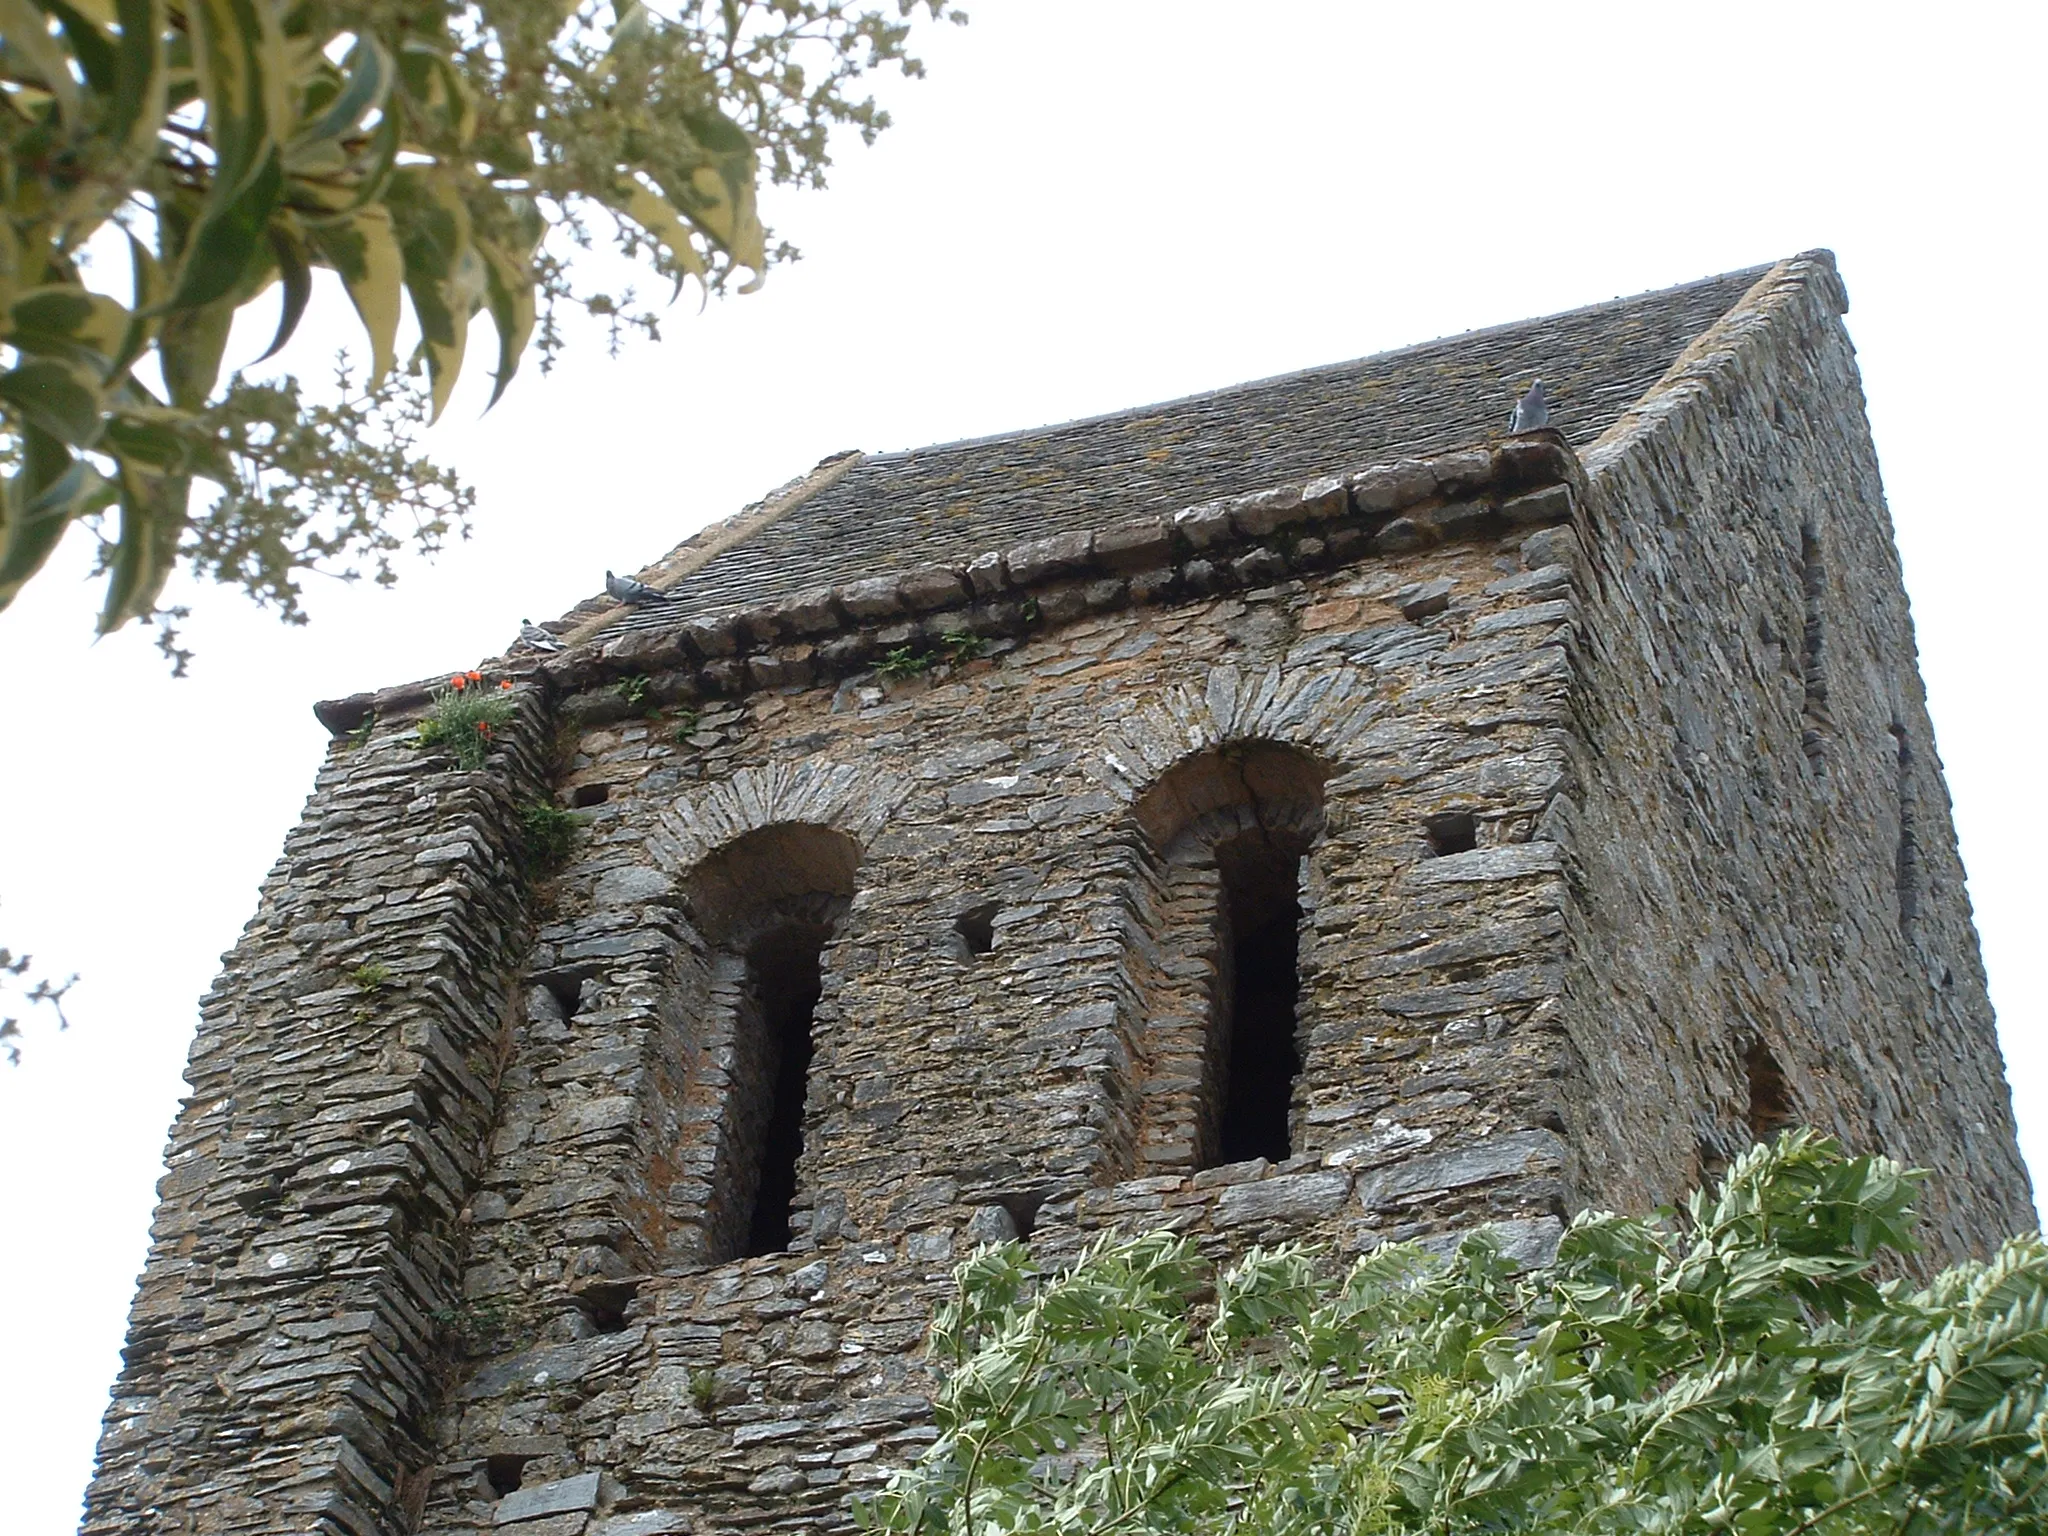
(1217, 546)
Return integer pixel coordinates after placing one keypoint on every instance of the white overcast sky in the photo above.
(1090, 204)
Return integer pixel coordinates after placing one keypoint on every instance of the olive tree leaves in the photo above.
(1748, 1373)
(426, 153)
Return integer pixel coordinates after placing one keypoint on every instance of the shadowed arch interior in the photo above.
(1228, 829)
(767, 904)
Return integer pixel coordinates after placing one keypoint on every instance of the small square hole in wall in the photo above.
(505, 1473)
(1453, 832)
(586, 795)
(976, 929)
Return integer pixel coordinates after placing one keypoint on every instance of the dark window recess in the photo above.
(606, 1303)
(1770, 1100)
(1816, 726)
(784, 974)
(505, 1473)
(566, 987)
(1907, 875)
(1023, 1209)
(1451, 833)
(583, 796)
(977, 929)
(1261, 981)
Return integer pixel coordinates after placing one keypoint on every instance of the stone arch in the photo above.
(1318, 710)
(1225, 832)
(857, 801)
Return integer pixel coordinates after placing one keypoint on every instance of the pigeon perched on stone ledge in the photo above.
(627, 590)
(533, 635)
(1531, 411)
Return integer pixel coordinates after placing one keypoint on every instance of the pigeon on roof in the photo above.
(627, 590)
(540, 639)
(1531, 411)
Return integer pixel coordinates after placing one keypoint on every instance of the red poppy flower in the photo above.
(458, 682)
(474, 677)
(507, 683)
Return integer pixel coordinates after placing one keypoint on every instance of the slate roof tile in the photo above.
(895, 511)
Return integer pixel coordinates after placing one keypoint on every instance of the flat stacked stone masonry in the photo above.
(1440, 844)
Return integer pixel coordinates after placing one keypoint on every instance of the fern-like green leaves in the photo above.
(1743, 1371)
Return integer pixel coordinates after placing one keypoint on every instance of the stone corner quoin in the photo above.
(1300, 811)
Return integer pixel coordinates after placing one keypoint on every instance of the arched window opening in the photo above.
(1259, 985)
(1222, 1020)
(768, 905)
(784, 981)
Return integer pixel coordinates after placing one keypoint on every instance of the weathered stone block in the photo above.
(1389, 487)
(1135, 546)
(933, 587)
(1420, 599)
(631, 886)
(1294, 1197)
(709, 638)
(1513, 1155)
(987, 574)
(874, 598)
(647, 1522)
(566, 1495)
(1514, 861)
(1042, 560)
(1552, 504)
(1204, 526)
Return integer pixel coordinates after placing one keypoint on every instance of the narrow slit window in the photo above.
(1258, 990)
(767, 905)
(1770, 1099)
(785, 978)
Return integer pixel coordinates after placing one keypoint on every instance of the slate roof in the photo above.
(893, 511)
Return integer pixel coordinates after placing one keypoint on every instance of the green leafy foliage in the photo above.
(1744, 1370)
(547, 833)
(442, 156)
(463, 719)
(904, 662)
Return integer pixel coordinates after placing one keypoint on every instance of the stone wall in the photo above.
(1603, 814)
(282, 1354)
(1068, 788)
(1771, 923)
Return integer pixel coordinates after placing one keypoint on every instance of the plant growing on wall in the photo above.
(464, 718)
(1744, 1370)
(546, 834)
(903, 662)
(963, 647)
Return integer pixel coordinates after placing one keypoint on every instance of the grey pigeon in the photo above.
(537, 637)
(627, 590)
(1531, 411)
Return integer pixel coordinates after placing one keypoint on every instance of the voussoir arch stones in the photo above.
(856, 801)
(1320, 710)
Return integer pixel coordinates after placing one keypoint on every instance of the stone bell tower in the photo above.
(1302, 810)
